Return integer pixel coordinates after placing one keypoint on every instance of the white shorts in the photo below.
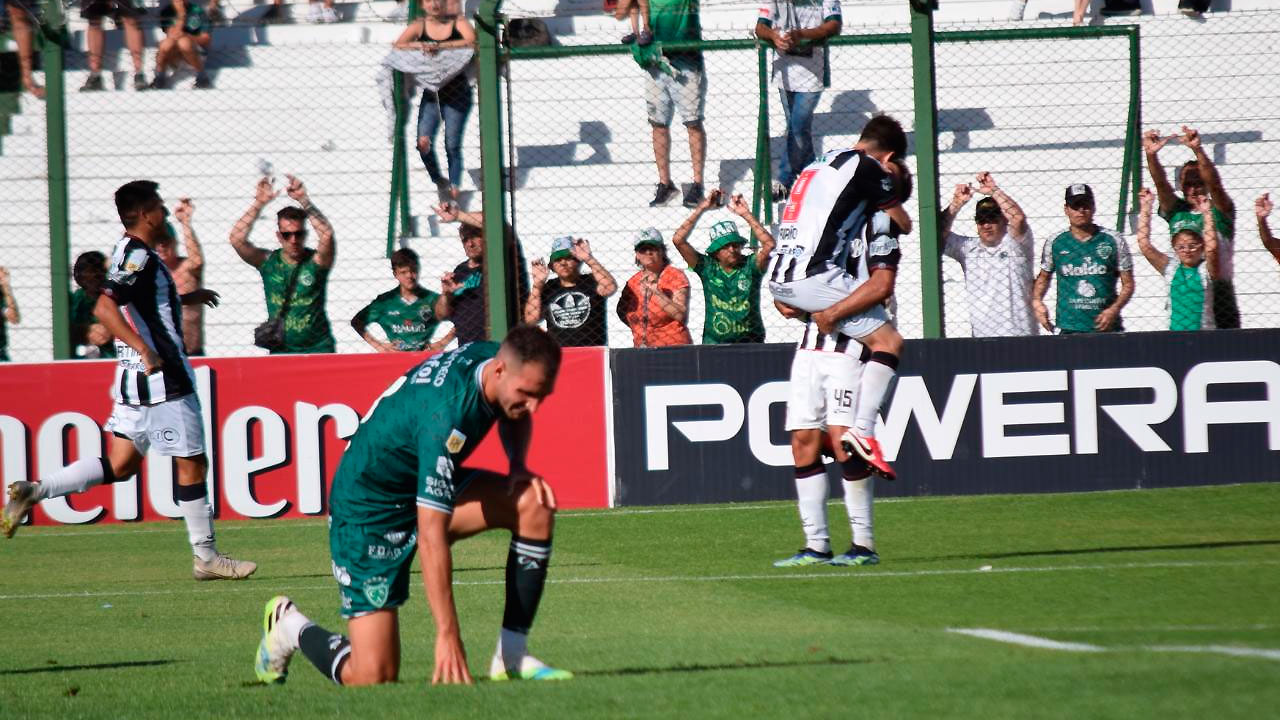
(824, 390)
(686, 90)
(174, 426)
(820, 292)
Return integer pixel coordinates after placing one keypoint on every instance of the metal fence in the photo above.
(1036, 105)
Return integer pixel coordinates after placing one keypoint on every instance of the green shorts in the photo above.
(372, 562)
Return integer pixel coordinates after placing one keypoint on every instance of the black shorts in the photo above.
(115, 9)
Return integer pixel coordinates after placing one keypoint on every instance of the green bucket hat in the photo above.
(561, 247)
(724, 233)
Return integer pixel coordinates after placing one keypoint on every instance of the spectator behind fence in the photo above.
(730, 280)
(294, 275)
(89, 338)
(8, 313)
(462, 298)
(1262, 208)
(23, 20)
(1189, 304)
(636, 12)
(186, 39)
(572, 302)
(1087, 260)
(442, 28)
(655, 301)
(677, 79)
(125, 14)
(998, 263)
(406, 313)
(187, 272)
(798, 30)
(1197, 178)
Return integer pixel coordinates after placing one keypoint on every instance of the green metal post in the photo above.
(494, 196)
(399, 175)
(762, 190)
(52, 38)
(1131, 169)
(926, 134)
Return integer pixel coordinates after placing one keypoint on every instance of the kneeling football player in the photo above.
(400, 490)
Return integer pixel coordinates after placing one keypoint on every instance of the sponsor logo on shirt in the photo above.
(1088, 267)
(570, 310)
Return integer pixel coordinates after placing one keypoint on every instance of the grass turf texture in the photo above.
(676, 612)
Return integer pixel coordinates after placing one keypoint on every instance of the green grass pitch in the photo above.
(676, 612)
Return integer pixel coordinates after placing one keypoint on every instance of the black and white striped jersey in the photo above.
(829, 205)
(143, 288)
(836, 342)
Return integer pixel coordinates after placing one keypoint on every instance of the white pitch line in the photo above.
(1026, 640)
(257, 586)
(1150, 628)
(1232, 650)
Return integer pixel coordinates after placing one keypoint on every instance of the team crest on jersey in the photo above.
(376, 589)
(306, 278)
(744, 284)
(135, 261)
(1104, 251)
(455, 442)
(1085, 289)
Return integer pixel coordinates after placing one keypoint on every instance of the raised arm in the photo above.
(1013, 213)
(450, 212)
(444, 303)
(1158, 260)
(1262, 208)
(681, 237)
(606, 285)
(1151, 145)
(1210, 238)
(533, 306)
(195, 254)
(961, 197)
(11, 313)
(248, 252)
(326, 248)
(738, 205)
(1209, 173)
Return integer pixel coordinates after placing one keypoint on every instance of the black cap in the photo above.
(987, 208)
(1079, 191)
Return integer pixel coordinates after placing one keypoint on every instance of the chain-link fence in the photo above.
(1037, 113)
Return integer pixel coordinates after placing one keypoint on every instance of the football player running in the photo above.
(400, 490)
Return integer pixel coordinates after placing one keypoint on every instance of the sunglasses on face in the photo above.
(1080, 207)
(291, 234)
(987, 219)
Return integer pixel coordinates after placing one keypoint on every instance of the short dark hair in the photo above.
(885, 133)
(902, 181)
(291, 213)
(530, 343)
(1189, 174)
(85, 263)
(466, 231)
(404, 257)
(135, 198)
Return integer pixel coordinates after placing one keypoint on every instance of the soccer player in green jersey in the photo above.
(400, 490)
(406, 314)
(1087, 260)
(730, 280)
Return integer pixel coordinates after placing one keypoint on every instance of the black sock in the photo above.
(199, 491)
(327, 651)
(526, 574)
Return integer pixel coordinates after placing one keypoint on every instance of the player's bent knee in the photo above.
(535, 517)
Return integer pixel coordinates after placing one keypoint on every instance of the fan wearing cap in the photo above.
(1198, 178)
(1190, 304)
(998, 263)
(730, 280)
(1087, 261)
(572, 302)
(655, 301)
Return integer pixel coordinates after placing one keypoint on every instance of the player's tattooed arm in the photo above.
(436, 559)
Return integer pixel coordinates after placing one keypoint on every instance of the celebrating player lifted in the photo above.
(406, 455)
(823, 264)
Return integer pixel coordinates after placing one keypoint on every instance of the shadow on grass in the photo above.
(95, 666)
(717, 667)
(1092, 551)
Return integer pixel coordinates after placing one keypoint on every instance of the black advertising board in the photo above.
(995, 415)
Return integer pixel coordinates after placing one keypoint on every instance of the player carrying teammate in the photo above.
(153, 387)
(828, 392)
(400, 489)
(824, 266)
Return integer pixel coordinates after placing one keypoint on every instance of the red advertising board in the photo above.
(275, 428)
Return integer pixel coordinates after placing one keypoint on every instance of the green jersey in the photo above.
(1086, 272)
(732, 301)
(306, 327)
(408, 324)
(673, 21)
(414, 438)
(81, 318)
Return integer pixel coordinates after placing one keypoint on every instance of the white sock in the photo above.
(199, 517)
(74, 478)
(293, 624)
(876, 377)
(812, 500)
(512, 647)
(858, 495)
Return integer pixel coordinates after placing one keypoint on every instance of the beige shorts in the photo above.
(686, 90)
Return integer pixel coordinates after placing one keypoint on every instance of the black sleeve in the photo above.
(874, 183)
